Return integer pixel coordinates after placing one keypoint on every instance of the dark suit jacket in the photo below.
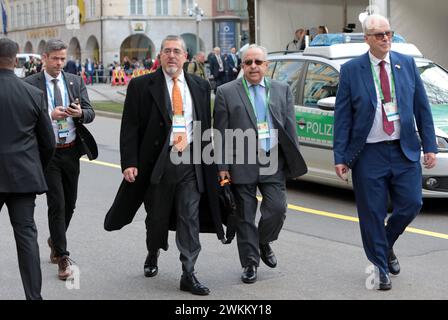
(26, 137)
(214, 67)
(356, 102)
(76, 89)
(233, 110)
(145, 131)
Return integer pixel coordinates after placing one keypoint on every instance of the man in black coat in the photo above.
(69, 108)
(218, 66)
(182, 196)
(26, 147)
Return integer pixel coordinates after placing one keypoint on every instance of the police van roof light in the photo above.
(328, 39)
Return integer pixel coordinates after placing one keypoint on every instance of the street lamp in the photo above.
(198, 12)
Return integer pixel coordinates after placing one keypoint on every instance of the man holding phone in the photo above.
(69, 108)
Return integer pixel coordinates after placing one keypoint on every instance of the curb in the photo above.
(108, 114)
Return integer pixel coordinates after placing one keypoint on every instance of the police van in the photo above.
(313, 76)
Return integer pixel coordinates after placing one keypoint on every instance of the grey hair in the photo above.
(174, 38)
(370, 22)
(54, 45)
(255, 46)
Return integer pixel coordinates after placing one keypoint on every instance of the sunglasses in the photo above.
(380, 35)
(257, 62)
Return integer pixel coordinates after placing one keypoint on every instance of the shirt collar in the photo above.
(48, 77)
(180, 78)
(262, 83)
(375, 61)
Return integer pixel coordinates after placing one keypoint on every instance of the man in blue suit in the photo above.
(380, 95)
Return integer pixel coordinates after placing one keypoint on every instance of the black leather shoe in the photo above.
(150, 267)
(392, 262)
(189, 282)
(385, 283)
(249, 274)
(267, 255)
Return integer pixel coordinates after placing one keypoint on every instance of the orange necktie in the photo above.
(180, 138)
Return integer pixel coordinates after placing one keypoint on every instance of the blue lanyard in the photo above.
(52, 95)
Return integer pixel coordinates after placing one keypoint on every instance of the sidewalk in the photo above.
(106, 92)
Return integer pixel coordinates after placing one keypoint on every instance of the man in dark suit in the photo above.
(162, 111)
(217, 67)
(26, 147)
(380, 94)
(264, 111)
(69, 108)
(233, 64)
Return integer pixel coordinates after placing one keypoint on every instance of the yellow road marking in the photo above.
(309, 210)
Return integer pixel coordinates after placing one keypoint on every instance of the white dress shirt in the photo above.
(272, 131)
(65, 100)
(187, 103)
(377, 133)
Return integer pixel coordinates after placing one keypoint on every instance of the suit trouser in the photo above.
(21, 214)
(62, 177)
(383, 169)
(273, 209)
(179, 188)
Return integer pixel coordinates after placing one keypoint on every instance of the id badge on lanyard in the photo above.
(179, 124)
(391, 110)
(263, 130)
(63, 130)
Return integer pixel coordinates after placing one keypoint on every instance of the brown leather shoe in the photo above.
(53, 258)
(64, 270)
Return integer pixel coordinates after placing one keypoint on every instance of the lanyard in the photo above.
(375, 77)
(268, 96)
(52, 95)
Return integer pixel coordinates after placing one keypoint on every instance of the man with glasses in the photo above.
(162, 113)
(262, 109)
(380, 95)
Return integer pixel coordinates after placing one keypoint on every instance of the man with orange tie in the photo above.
(162, 111)
(380, 100)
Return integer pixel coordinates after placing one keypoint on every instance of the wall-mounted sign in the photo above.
(138, 26)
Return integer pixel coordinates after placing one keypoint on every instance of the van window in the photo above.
(270, 70)
(289, 72)
(321, 81)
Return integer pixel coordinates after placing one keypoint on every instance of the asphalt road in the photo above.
(319, 251)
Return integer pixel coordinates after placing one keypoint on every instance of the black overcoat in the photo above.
(145, 128)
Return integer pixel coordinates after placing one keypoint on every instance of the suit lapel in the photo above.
(246, 102)
(159, 92)
(397, 76)
(42, 85)
(367, 77)
(195, 92)
(70, 85)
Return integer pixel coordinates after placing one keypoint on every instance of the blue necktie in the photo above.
(260, 107)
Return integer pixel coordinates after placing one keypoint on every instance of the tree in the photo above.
(251, 13)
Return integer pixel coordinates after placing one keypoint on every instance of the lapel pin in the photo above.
(397, 66)
(71, 83)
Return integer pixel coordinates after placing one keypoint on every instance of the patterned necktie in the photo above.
(388, 126)
(260, 107)
(180, 138)
(57, 94)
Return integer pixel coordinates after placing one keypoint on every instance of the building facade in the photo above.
(109, 30)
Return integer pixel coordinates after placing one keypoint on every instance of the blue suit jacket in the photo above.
(356, 103)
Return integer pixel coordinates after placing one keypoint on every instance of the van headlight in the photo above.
(442, 144)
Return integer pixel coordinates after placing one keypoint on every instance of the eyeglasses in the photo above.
(380, 35)
(168, 51)
(257, 62)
